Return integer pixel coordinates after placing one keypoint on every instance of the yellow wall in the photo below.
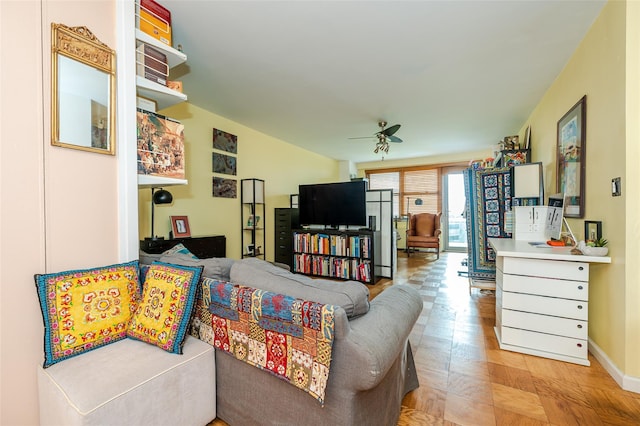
(631, 181)
(53, 216)
(282, 166)
(598, 69)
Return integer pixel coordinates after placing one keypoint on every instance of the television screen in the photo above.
(333, 204)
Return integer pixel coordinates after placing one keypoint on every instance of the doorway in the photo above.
(454, 225)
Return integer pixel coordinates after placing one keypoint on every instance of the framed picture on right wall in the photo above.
(570, 158)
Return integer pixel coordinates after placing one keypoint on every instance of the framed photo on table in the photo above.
(180, 226)
(570, 158)
(592, 230)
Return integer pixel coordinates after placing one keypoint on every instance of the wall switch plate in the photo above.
(616, 188)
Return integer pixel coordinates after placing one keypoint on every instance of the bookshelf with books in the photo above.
(348, 255)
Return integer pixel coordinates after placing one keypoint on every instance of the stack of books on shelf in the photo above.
(364, 270)
(329, 266)
(152, 64)
(335, 245)
(154, 19)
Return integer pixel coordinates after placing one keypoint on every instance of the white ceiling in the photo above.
(457, 75)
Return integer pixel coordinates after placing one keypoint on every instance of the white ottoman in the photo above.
(131, 383)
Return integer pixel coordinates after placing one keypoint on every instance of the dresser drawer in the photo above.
(564, 308)
(545, 324)
(564, 270)
(566, 346)
(578, 290)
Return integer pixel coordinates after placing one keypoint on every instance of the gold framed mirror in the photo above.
(83, 91)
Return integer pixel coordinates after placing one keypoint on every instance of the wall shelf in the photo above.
(163, 96)
(151, 181)
(174, 57)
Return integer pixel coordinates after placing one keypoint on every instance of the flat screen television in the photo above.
(333, 204)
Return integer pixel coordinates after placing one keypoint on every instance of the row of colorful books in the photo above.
(336, 245)
(328, 266)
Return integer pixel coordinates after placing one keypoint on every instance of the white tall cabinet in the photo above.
(542, 300)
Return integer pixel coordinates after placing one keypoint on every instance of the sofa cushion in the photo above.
(168, 297)
(180, 249)
(149, 258)
(215, 267)
(86, 309)
(352, 296)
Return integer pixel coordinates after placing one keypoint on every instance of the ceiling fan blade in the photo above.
(390, 130)
(394, 139)
(364, 137)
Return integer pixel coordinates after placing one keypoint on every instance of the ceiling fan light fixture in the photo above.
(384, 136)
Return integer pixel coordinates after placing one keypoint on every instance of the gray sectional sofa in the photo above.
(371, 366)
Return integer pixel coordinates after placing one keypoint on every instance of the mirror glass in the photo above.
(83, 92)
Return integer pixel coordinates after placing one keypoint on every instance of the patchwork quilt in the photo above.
(287, 337)
(488, 199)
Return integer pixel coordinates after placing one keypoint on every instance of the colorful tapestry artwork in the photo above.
(488, 199)
(287, 337)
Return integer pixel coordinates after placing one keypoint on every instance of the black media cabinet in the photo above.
(203, 247)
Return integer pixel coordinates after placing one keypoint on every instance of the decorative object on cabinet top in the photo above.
(180, 226)
(161, 196)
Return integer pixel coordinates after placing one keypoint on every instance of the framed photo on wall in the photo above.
(570, 158)
(180, 226)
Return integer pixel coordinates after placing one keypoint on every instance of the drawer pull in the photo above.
(579, 345)
(579, 325)
(581, 268)
(580, 287)
(579, 306)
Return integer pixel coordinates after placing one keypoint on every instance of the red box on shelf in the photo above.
(155, 20)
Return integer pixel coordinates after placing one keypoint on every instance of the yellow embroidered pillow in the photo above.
(168, 297)
(86, 309)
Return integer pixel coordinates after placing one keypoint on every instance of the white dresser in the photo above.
(542, 300)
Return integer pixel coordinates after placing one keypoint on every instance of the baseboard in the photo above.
(628, 383)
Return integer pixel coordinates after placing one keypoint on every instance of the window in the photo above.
(411, 184)
(387, 180)
(421, 185)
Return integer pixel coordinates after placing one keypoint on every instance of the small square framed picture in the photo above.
(180, 226)
(592, 230)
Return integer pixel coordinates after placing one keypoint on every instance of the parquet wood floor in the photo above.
(465, 379)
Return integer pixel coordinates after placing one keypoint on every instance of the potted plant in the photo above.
(594, 248)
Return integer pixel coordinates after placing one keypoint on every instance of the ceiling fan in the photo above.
(384, 136)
